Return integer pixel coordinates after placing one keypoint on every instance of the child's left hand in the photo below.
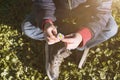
(72, 41)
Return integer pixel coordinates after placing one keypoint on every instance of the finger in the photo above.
(55, 31)
(70, 36)
(50, 34)
(71, 46)
(49, 40)
(50, 43)
(68, 40)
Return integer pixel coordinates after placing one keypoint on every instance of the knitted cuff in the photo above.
(86, 35)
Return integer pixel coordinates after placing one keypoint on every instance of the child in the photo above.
(84, 24)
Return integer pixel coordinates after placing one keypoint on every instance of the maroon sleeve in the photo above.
(86, 35)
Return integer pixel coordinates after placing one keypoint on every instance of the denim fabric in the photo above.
(30, 29)
(110, 31)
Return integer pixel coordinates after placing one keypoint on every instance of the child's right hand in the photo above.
(72, 41)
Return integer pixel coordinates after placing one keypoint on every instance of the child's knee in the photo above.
(113, 28)
(32, 31)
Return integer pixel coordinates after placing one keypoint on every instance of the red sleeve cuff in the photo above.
(46, 21)
(86, 35)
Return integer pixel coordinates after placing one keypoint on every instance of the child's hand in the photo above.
(72, 41)
(50, 32)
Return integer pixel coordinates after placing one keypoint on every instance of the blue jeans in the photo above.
(105, 34)
(36, 33)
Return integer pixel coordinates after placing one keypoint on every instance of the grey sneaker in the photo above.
(54, 57)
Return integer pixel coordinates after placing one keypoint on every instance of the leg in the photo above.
(105, 35)
(110, 30)
(32, 30)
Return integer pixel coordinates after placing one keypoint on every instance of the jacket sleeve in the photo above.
(103, 15)
(45, 7)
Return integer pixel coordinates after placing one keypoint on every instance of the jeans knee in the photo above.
(113, 29)
(32, 31)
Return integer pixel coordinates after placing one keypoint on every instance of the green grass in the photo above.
(23, 59)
